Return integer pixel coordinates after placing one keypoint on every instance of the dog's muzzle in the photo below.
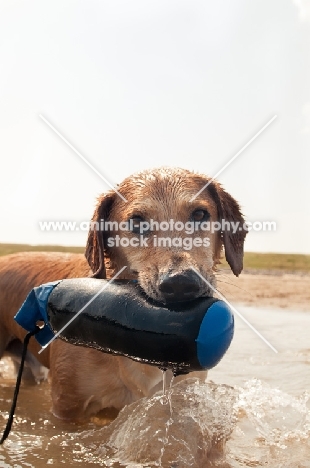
(180, 287)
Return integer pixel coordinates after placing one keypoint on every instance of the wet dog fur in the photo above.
(83, 380)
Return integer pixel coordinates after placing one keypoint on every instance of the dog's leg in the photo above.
(33, 370)
(140, 379)
(85, 381)
(4, 340)
(80, 379)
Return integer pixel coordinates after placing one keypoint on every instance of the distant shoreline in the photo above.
(263, 263)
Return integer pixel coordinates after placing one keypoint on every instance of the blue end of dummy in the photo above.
(34, 309)
(215, 334)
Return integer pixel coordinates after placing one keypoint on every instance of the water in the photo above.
(252, 411)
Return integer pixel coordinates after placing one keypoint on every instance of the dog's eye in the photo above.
(135, 224)
(200, 215)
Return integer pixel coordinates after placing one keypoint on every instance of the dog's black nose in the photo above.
(180, 287)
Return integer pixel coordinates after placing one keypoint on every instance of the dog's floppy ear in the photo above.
(95, 246)
(229, 210)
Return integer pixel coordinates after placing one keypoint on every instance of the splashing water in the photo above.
(208, 425)
(189, 432)
(196, 424)
(273, 428)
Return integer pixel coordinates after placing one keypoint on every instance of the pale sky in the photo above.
(138, 84)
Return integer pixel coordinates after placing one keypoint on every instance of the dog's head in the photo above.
(164, 236)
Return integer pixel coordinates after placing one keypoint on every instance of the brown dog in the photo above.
(161, 256)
